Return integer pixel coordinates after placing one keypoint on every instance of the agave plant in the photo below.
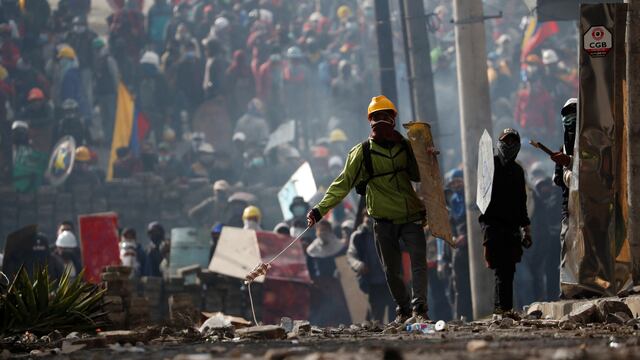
(40, 305)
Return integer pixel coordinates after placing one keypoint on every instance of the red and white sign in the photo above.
(597, 41)
(99, 244)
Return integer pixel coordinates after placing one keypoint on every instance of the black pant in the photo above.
(503, 298)
(503, 250)
(387, 236)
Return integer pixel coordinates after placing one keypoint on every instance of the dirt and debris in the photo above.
(586, 333)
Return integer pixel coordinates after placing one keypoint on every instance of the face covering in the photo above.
(251, 225)
(298, 211)
(257, 162)
(569, 123)
(457, 207)
(79, 28)
(383, 129)
(507, 152)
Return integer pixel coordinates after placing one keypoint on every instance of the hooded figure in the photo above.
(505, 223)
(564, 164)
(156, 234)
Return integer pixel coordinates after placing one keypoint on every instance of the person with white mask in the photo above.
(251, 217)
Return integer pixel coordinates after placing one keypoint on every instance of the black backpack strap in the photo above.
(366, 157)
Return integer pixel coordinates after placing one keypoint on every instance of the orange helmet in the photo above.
(35, 94)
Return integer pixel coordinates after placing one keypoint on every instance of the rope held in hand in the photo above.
(262, 268)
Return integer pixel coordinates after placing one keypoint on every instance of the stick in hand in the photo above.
(539, 145)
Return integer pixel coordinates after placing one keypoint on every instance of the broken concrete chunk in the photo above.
(506, 323)
(262, 332)
(477, 345)
(567, 325)
(534, 315)
(585, 314)
(301, 326)
(123, 336)
(608, 306)
(287, 324)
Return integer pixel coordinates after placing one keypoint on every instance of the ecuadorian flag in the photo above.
(535, 34)
(131, 126)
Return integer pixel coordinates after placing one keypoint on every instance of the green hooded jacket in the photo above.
(390, 197)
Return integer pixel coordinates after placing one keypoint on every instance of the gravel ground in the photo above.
(533, 340)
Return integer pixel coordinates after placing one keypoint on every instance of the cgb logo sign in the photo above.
(597, 41)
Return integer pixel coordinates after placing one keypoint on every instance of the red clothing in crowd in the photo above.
(535, 110)
(9, 53)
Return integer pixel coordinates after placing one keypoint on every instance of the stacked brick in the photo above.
(119, 290)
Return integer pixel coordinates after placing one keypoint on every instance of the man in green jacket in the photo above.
(385, 166)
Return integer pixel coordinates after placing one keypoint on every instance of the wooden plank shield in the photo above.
(431, 186)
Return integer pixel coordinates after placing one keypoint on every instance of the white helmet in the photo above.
(66, 239)
(150, 57)
(294, 52)
(221, 24)
(549, 56)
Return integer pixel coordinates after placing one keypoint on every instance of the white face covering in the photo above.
(251, 225)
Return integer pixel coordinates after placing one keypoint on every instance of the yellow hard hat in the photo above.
(83, 154)
(379, 103)
(337, 135)
(251, 212)
(67, 52)
(343, 12)
(3, 72)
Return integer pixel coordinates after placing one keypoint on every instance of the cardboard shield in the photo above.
(99, 243)
(431, 186)
(18, 249)
(61, 161)
(285, 133)
(189, 246)
(236, 254)
(486, 168)
(302, 184)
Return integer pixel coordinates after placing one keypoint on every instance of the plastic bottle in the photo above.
(421, 328)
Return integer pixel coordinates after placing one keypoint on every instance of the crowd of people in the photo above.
(217, 79)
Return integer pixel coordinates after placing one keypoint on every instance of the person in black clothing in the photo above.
(363, 259)
(505, 223)
(563, 160)
(156, 234)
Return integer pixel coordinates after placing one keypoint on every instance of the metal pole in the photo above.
(385, 51)
(633, 135)
(423, 94)
(405, 43)
(475, 116)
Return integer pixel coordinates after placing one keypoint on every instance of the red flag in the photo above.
(543, 32)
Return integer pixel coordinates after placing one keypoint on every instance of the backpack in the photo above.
(361, 187)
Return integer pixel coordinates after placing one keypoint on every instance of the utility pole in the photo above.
(385, 51)
(387, 68)
(418, 53)
(475, 116)
(633, 135)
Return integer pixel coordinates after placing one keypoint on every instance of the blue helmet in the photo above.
(451, 175)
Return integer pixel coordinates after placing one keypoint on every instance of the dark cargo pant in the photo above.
(503, 250)
(387, 236)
